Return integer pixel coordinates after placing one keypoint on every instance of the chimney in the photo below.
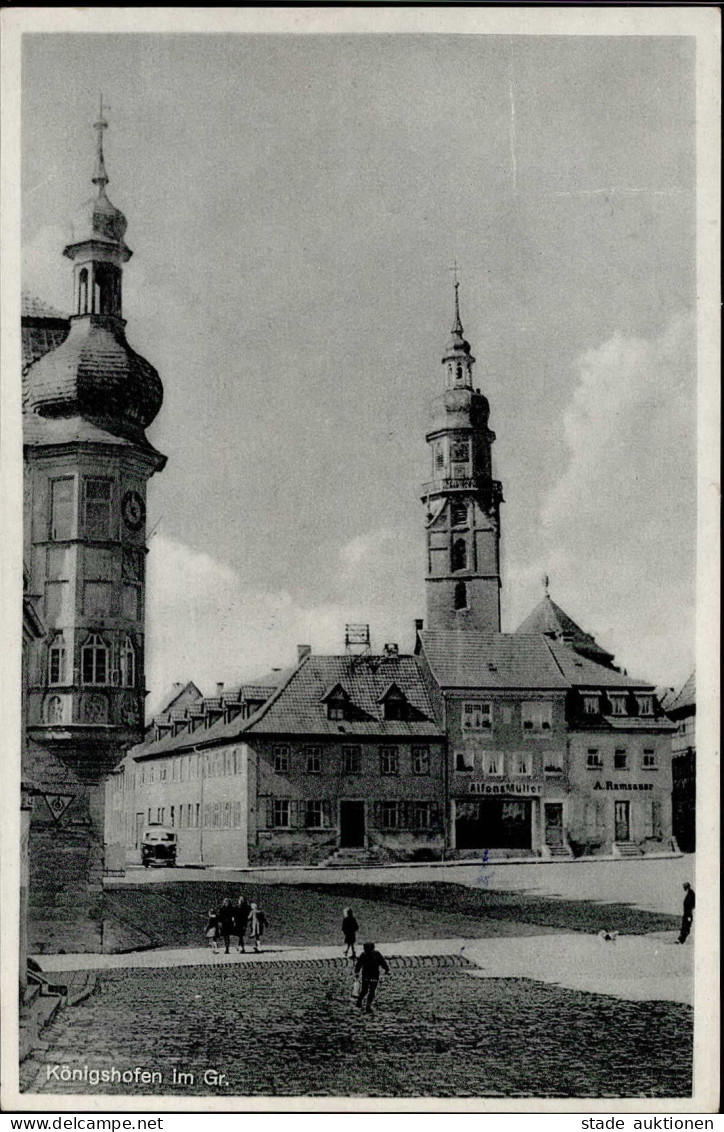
(302, 651)
(392, 649)
(419, 623)
(219, 689)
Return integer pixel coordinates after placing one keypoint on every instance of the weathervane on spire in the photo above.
(457, 325)
(100, 177)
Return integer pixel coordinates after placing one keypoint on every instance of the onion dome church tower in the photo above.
(462, 499)
(87, 402)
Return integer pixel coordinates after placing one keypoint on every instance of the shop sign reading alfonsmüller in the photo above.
(504, 788)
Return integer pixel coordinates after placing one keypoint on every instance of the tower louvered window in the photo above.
(459, 555)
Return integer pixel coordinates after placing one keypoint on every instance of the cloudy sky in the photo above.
(294, 205)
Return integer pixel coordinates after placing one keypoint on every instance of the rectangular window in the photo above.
(421, 815)
(98, 508)
(420, 760)
(620, 759)
(175, 769)
(553, 764)
(237, 815)
(162, 773)
(226, 817)
(593, 759)
(649, 760)
(313, 760)
(522, 762)
(389, 815)
(477, 716)
(590, 704)
(217, 815)
(197, 814)
(537, 718)
(172, 819)
(281, 759)
(56, 673)
(336, 710)
(389, 760)
(61, 509)
(463, 761)
(313, 814)
(280, 813)
(646, 705)
(493, 762)
(618, 704)
(161, 814)
(351, 760)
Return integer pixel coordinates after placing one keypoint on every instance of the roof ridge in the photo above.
(261, 712)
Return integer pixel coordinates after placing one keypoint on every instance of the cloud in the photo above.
(204, 624)
(618, 530)
(45, 271)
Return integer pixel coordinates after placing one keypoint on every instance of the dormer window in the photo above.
(646, 705)
(618, 704)
(394, 704)
(590, 703)
(337, 701)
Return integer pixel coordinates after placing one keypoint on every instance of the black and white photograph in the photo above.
(360, 394)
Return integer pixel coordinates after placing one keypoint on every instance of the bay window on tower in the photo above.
(128, 664)
(98, 508)
(57, 661)
(94, 658)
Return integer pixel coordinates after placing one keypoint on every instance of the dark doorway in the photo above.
(623, 828)
(493, 823)
(554, 823)
(352, 825)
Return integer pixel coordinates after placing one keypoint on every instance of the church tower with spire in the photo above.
(87, 401)
(462, 500)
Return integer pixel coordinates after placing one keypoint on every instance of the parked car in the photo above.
(159, 847)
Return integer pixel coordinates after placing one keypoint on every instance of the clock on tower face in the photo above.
(133, 510)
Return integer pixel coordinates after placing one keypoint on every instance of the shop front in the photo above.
(497, 816)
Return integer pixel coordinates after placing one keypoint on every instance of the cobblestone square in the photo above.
(286, 1029)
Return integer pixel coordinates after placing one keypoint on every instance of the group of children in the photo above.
(247, 920)
(240, 919)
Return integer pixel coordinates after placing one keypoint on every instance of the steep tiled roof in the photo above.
(685, 698)
(549, 618)
(33, 307)
(43, 328)
(465, 659)
(584, 673)
(298, 706)
(188, 692)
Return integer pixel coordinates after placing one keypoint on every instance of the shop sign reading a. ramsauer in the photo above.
(623, 786)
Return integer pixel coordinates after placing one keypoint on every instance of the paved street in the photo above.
(281, 1029)
(653, 884)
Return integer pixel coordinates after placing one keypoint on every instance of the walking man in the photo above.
(226, 923)
(241, 919)
(688, 916)
(368, 967)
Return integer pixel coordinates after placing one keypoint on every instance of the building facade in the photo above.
(681, 709)
(344, 756)
(480, 745)
(88, 398)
